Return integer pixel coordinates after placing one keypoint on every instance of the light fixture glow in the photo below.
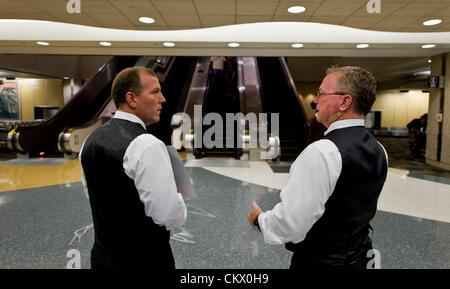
(296, 9)
(105, 43)
(297, 45)
(429, 46)
(362, 45)
(169, 44)
(432, 22)
(43, 43)
(429, 60)
(233, 44)
(146, 20)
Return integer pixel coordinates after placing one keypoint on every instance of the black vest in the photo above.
(344, 226)
(124, 235)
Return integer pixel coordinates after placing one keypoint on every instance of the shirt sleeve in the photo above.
(147, 162)
(312, 179)
(83, 178)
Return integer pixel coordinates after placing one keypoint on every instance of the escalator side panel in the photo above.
(280, 96)
(80, 109)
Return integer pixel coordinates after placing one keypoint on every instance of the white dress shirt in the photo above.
(147, 162)
(312, 179)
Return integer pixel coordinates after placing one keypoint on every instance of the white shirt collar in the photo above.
(344, 123)
(129, 117)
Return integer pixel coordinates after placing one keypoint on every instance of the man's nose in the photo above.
(316, 100)
(162, 98)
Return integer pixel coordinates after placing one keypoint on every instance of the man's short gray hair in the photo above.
(359, 83)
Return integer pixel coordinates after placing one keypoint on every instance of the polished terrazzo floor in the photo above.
(44, 214)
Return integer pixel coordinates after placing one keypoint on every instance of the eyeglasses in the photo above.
(320, 94)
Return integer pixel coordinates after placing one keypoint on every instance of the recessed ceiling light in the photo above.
(105, 43)
(429, 46)
(362, 45)
(43, 43)
(432, 22)
(169, 44)
(297, 45)
(296, 9)
(66, 77)
(429, 60)
(233, 44)
(147, 20)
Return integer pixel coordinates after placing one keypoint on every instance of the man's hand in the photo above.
(253, 214)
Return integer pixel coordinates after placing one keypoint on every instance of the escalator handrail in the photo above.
(291, 84)
(67, 115)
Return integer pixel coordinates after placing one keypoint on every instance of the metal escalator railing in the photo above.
(71, 139)
(81, 108)
(280, 96)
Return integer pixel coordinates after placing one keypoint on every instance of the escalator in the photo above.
(92, 106)
(279, 95)
(82, 108)
(221, 97)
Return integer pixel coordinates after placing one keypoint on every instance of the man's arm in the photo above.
(313, 177)
(148, 164)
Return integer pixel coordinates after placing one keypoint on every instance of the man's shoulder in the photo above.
(323, 147)
(147, 140)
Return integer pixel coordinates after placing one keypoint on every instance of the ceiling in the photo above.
(388, 59)
(396, 15)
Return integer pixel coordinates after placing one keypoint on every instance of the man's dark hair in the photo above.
(128, 80)
(359, 83)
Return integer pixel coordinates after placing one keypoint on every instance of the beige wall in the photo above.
(399, 108)
(306, 92)
(35, 92)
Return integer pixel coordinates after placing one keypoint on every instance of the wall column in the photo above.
(438, 134)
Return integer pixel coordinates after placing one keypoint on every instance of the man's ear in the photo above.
(131, 99)
(346, 102)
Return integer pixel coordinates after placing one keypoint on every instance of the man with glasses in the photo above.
(334, 184)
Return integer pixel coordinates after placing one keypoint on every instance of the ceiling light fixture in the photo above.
(296, 9)
(105, 43)
(297, 45)
(146, 20)
(362, 45)
(169, 44)
(233, 44)
(429, 46)
(43, 43)
(432, 22)
(429, 60)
